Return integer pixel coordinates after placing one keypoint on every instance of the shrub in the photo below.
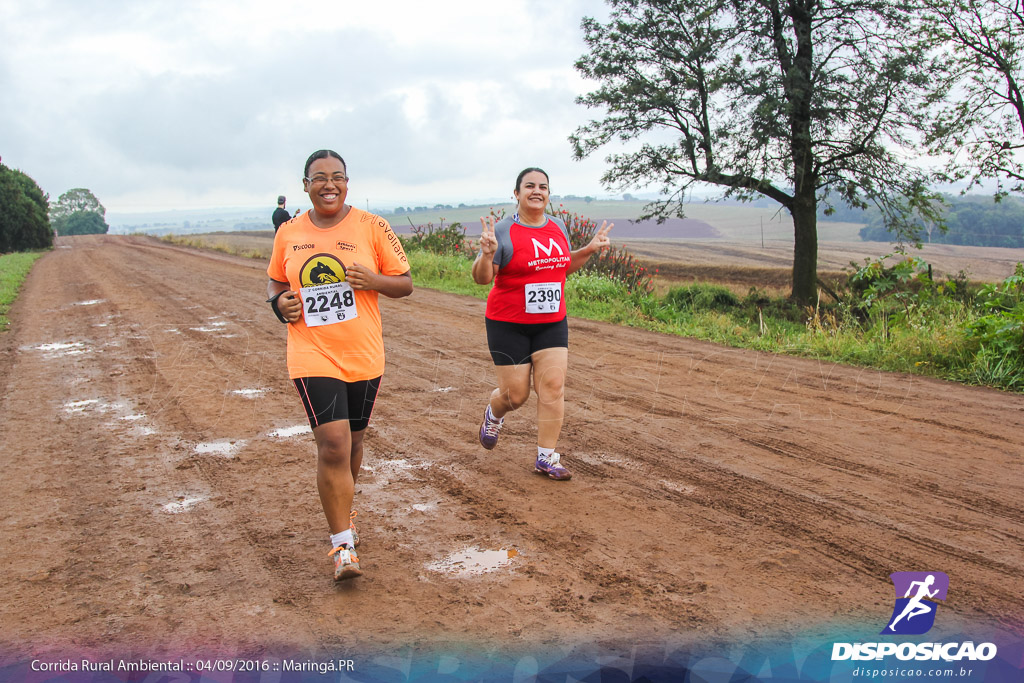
(999, 334)
(702, 297)
(24, 224)
(615, 263)
(593, 287)
(446, 240)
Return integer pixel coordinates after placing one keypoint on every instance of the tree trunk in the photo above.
(800, 92)
(805, 247)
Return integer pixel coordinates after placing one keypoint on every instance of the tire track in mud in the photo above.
(775, 507)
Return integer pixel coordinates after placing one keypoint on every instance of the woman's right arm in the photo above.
(484, 269)
(288, 302)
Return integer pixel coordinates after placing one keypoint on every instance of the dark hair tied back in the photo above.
(322, 154)
(519, 180)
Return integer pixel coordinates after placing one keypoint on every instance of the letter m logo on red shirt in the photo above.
(552, 245)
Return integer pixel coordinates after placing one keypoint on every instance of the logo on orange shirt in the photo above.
(322, 269)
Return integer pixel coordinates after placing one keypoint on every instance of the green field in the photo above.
(14, 269)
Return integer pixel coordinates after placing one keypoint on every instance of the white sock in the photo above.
(343, 538)
(490, 415)
(545, 452)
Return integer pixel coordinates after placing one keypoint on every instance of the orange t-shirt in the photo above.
(339, 334)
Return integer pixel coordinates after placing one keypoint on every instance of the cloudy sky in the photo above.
(217, 103)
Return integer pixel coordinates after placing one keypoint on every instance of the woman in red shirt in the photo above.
(527, 257)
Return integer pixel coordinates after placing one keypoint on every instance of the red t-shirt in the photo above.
(532, 265)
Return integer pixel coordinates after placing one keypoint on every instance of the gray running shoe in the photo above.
(346, 563)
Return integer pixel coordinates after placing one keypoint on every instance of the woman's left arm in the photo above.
(394, 286)
(600, 241)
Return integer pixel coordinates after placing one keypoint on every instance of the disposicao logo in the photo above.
(915, 608)
(914, 614)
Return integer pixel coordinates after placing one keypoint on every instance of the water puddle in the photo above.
(62, 348)
(90, 302)
(182, 504)
(213, 325)
(286, 432)
(79, 406)
(424, 507)
(225, 449)
(397, 464)
(249, 393)
(142, 430)
(473, 561)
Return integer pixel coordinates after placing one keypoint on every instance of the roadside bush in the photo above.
(593, 287)
(702, 297)
(757, 305)
(615, 263)
(446, 240)
(999, 334)
(24, 223)
(878, 288)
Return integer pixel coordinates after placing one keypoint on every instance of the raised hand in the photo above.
(488, 242)
(601, 240)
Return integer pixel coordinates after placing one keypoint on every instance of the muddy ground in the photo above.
(158, 489)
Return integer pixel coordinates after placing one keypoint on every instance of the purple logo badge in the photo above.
(916, 593)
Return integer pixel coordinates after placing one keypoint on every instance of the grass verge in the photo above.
(14, 268)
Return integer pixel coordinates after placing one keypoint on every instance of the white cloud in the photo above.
(202, 103)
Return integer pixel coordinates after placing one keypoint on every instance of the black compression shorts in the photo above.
(515, 343)
(327, 399)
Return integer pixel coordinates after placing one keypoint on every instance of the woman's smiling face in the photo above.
(327, 185)
(533, 193)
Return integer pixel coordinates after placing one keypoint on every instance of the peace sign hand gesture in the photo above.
(601, 240)
(488, 242)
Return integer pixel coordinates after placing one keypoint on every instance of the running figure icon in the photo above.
(916, 607)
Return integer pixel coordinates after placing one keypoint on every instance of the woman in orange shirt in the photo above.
(327, 269)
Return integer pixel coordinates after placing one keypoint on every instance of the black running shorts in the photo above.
(327, 399)
(515, 343)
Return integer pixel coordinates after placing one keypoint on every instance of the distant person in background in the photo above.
(281, 214)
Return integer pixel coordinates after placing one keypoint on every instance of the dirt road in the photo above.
(158, 488)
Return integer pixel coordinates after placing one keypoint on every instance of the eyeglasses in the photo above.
(319, 179)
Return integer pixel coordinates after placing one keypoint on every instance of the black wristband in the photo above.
(273, 304)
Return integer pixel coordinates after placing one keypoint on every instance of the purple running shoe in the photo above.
(489, 430)
(552, 467)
